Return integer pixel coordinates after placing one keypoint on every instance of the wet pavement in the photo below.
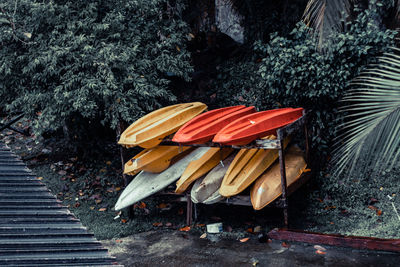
(174, 248)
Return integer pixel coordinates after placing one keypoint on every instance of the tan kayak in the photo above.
(148, 131)
(155, 159)
(205, 190)
(200, 167)
(267, 188)
(247, 166)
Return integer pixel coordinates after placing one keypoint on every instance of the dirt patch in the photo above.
(174, 248)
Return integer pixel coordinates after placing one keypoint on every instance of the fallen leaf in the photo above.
(62, 172)
(168, 224)
(162, 206)
(40, 178)
(117, 188)
(203, 236)
(257, 229)
(118, 241)
(332, 223)
(379, 212)
(249, 230)
(200, 225)
(185, 229)
(372, 207)
(108, 162)
(318, 247)
(98, 201)
(372, 201)
(178, 48)
(77, 204)
(320, 252)
(158, 224)
(285, 245)
(124, 220)
(102, 209)
(244, 239)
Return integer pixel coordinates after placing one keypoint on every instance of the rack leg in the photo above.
(283, 184)
(307, 143)
(189, 210)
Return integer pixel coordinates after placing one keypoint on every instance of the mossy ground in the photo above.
(90, 188)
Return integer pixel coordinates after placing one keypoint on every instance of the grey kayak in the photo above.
(205, 190)
(146, 184)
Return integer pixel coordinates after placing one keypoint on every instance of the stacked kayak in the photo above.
(198, 168)
(205, 126)
(268, 187)
(149, 131)
(154, 159)
(257, 125)
(247, 166)
(146, 183)
(210, 174)
(206, 190)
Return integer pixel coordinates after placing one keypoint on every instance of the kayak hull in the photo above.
(206, 190)
(155, 159)
(257, 125)
(204, 127)
(247, 166)
(200, 167)
(150, 130)
(268, 187)
(146, 184)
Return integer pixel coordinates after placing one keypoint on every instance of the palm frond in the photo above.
(325, 16)
(369, 138)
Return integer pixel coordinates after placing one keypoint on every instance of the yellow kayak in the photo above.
(200, 167)
(155, 159)
(247, 166)
(267, 188)
(148, 131)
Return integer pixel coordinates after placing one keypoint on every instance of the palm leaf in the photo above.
(325, 16)
(369, 139)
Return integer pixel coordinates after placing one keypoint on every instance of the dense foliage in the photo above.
(293, 71)
(97, 60)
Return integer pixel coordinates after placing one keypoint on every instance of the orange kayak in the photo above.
(268, 187)
(203, 127)
(148, 131)
(257, 125)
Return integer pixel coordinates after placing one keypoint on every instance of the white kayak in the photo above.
(146, 184)
(206, 190)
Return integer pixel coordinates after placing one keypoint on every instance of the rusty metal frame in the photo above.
(277, 143)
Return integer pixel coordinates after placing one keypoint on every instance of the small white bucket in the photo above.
(214, 228)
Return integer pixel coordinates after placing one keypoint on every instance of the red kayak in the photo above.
(202, 128)
(256, 125)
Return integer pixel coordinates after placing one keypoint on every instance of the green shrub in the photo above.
(294, 72)
(99, 60)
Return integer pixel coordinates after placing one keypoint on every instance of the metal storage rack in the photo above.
(282, 133)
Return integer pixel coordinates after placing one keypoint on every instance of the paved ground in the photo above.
(174, 248)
